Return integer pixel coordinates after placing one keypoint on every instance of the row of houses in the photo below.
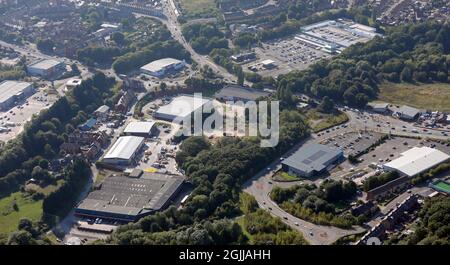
(389, 222)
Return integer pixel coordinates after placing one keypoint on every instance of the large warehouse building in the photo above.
(162, 67)
(127, 199)
(124, 150)
(312, 159)
(181, 107)
(46, 68)
(12, 91)
(140, 128)
(417, 160)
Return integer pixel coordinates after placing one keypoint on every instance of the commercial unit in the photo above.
(268, 64)
(140, 128)
(12, 91)
(312, 159)
(72, 83)
(408, 113)
(379, 107)
(181, 107)
(333, 36)
(126, 199)
(46, 68)
(236, 93)
(102, 112)
(162, 67)
(417, 160)
(124, 150)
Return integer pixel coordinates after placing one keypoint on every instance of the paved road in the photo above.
(175, 28)
(260, 185)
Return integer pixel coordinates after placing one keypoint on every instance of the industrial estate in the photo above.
(94, 95)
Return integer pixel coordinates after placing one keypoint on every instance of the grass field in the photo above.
(284, 177)
(424, 96)
(444, 186)
(320, 121)
(27, 208)
(198, 8)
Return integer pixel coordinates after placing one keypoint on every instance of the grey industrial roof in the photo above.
(45, 64)
(241, 92)
(139, 127)
(132, 196)
(124, 147)
(102, 109)
(379, 105)
(182, 106)
(312, 157)
(160, 64)
(408, 111)
(11, 88)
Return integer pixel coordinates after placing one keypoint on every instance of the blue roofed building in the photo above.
(312, 159)
(88, 125)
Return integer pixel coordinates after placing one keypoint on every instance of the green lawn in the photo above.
(284, 177)
(198, 8)
(27, 208)
(423, 96)
(444, 186)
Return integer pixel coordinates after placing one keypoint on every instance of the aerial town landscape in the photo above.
(96, 97)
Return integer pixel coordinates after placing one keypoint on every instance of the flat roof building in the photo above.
(128, 199)
(312, 159)
(162, 67)
(408, 113)
(379, 107)
(124, 150)
(12, 91)
(46, 68)
(181, 107)
(140, 128)
(417, 160)
(72, 83)
(235, 93)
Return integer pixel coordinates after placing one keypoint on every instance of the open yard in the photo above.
(198, 8)
(15, 207)
(424, 96)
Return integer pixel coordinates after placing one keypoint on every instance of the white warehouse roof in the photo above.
(417, 160)
(182, 106)
(9, 89)
(139, 127)
(124, 148)
(160, 64)
(45, 64)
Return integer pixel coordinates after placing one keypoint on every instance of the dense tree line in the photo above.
(97, 54)
(62, 200)
(409, 53)
(42, 136)
(265, 229)
(434, 223)
(316, 204)
(8, 72)
(217, 173)
(204, 37)
(376, 181)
